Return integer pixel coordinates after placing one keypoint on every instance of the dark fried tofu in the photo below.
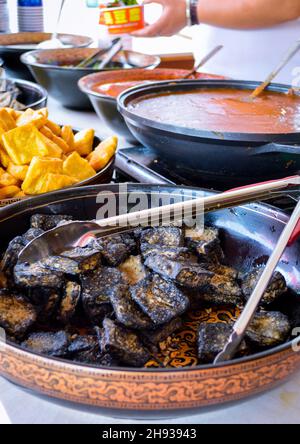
(17, 316)
(127, 312)
(48, 343)
(162, 333)
(212, 339)
(47, 222)
(182, 254)
(61, 264)
(133, 270)
(163, 236)
(36, 275)
(96, 288)
(116, 249)
(222, 291)
(85, 349)
(69, 302)
(11, 255)
(269, 329)
(123, 344)
(87, 258)
(161, 300)
(206, 243)
(275, 290)
(222, 270)
(184, 274)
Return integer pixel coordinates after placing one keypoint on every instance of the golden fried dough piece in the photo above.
(23, 143)
(77, 167)
(84, 142)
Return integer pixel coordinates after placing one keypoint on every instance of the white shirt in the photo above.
(250, 54)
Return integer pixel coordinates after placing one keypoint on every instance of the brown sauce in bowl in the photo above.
(223, 110)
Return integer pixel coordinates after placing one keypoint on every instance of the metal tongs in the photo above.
(290, 233)
(72, 234)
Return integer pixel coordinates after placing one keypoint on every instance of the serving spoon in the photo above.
(54, 42)
(202, 62)
(240, 327)
(291, 53)
(73, 234)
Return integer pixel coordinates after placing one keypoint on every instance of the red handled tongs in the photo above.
(289, 235)
(66, 236)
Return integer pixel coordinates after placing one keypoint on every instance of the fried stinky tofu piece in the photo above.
(123, 344)
(127, 312)
(172, 253)
(47, 222)
(69, 302)
(87, 258)
(212, 339)
(133, 270)
(221, 270)
(36, 275)
(11, 255)
(17, 316)
(269, 329)
(275, 290)
(96, 288)
(183, 273)
(164, 236)
(206, 243)
(162, 333)
(61, 264)
(222, 291)
(116, 249)
(48, 343)
(85, 349)
(161, 300)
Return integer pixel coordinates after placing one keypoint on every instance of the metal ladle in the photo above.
(54, 42)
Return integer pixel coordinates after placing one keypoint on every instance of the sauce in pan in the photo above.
(115, 89)
(223, 110)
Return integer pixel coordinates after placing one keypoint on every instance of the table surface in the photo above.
(280, 406)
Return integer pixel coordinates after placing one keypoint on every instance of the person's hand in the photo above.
(172, 20)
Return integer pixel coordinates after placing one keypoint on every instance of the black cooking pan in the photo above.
(238, 158)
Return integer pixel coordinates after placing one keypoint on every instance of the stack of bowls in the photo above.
(30, 15)
(4, 18)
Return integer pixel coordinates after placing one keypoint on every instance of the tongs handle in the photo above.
(197, 206)
(296, 233)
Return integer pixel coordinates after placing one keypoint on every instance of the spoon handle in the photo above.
(277, 70)
(55, 33)
(209, 56)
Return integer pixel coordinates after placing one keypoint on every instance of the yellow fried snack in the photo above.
(37, 118)
(84, 142)
(104, 152)
(53, 127)
(77, 167)
(68, 136)
(47, 132)
(52, 182)
(23, 143)
(6, 120)
(38, 169)
(61, 143)
(4, 158)
(8, 192)
(20, 194)
(7, 180)
(53, 149)
(17, 171)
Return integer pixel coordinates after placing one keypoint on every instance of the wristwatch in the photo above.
(191, 12)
